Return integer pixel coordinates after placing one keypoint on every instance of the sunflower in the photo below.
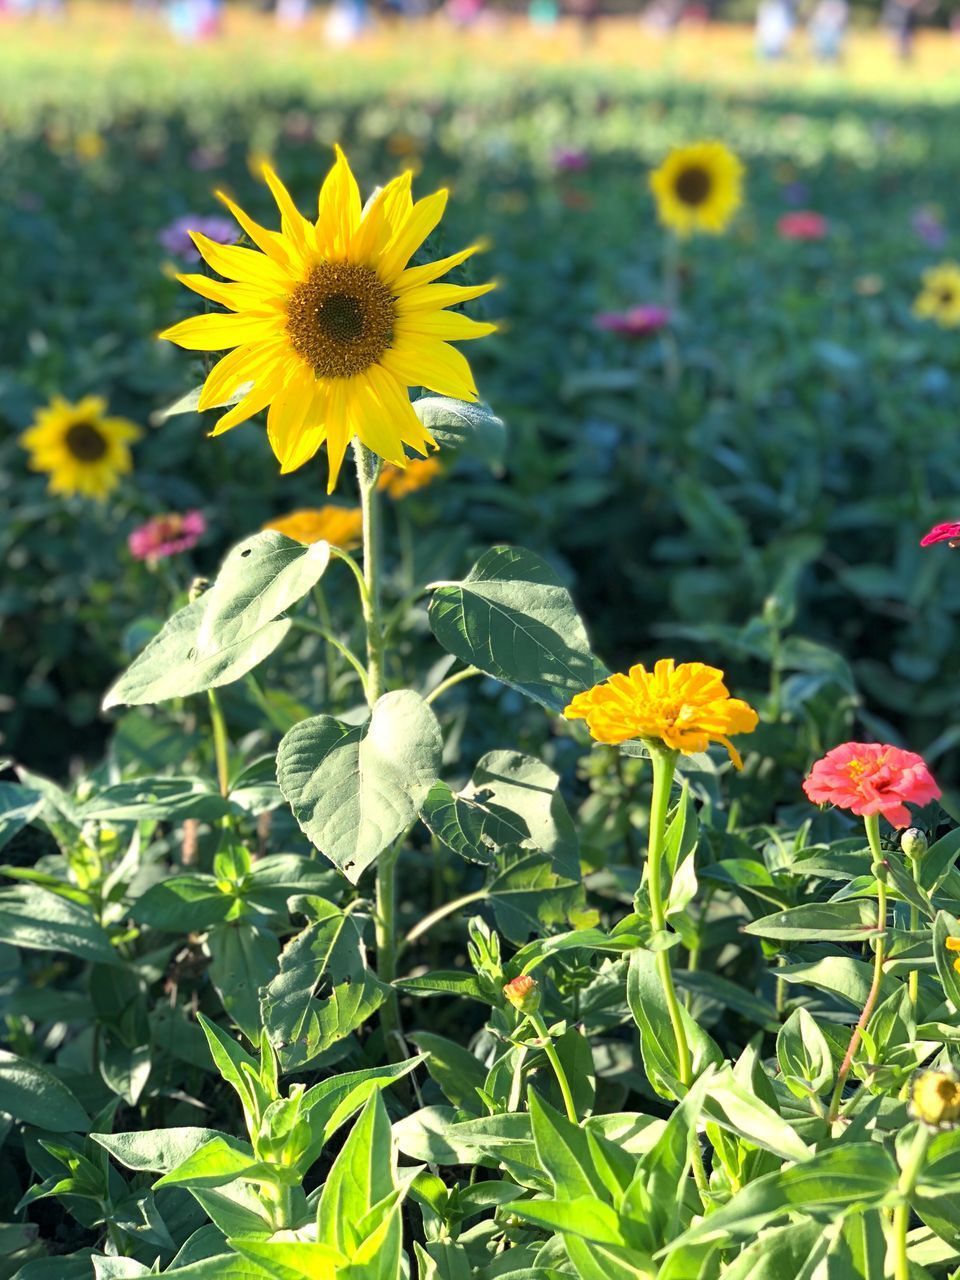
(82, 450)
(331, 325)
(939, 299)
(698, 188)
(685, 706)
(340, 526)
(417, 475)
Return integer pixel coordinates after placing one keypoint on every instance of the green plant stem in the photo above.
(450, 681)
(315, 628)
(385, 923)
(448, 909)
(909, 1177)
(352, 565)
(872, 824)
(913, 979)
(221, 743)
(538, 1024)
(326, 621)
(664, 765)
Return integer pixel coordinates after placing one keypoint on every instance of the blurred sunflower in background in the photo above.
(81, 449)
(939, 299)
(340, 526)
(698, 188)
(331, 325)
(418, 473)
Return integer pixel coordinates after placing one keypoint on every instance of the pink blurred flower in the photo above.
(942, 533)
(636, 322)
(869, 778)
(175, 237)
(928, 226)
(570, 160)
(804, 224)
(166, 535)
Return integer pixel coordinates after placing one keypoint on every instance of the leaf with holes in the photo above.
(514, 619)
(355, 788)
(470, 827)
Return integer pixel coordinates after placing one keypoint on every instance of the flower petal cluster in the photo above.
(685, 706)
(802, 224)
(698, 188)
(636, 322)
(418, 473)
(167, 535)
(328, 324)
(80, 447)
(869, 778)
(939, 299)
(942, 533)
(340, 526)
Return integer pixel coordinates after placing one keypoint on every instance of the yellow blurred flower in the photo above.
(685, 707)
(89, 145)
(935, 1098)
(939, 299)
(698, 188)
(953, 944)
(331, 324)
(417, 474)
(82, 449)
(340, 526)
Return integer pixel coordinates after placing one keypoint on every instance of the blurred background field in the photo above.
(764, 508)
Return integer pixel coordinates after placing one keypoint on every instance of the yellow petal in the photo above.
(238, 297)
(288, 413)
(414, 277)
(245, 265)
(257, 398)
(411, 234)
(294, 225)
(214, 332)
(245, 364)
(395, 400)
(434, 297)
(427, 362)
(339, 429)
(338, 208)
(270, 242)
(449, 325)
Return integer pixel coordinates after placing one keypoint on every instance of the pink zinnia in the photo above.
(175, 237)
(570, 160)
(804, 224)
(166, 535)
(637, 322)
(942, 533)
(869, 778)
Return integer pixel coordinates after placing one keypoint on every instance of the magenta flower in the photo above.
(869, 778)
(175, 237)
(942, 533)
(570, 160)
(636, 322)
(166, 535)
(928, 226)
(804, 224)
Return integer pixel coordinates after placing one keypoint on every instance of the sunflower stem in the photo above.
(664, 765)
(385, 922)
(221, 743)
(872, 824)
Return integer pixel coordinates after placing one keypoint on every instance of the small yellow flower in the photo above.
(953, 944)
(935, 1098)
(340, 526)
(82, 450)
(685, 707)
(523, 993)
(698, 188)
(417, 474)
(331, 324)
(89, 145)
(939, 299)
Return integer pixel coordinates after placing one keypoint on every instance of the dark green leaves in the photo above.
(33, 1095)
(355, 788)
(513, 618)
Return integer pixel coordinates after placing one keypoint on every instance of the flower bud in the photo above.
(197, 587)
(935, 1099)
(523, 993)
(913, 842)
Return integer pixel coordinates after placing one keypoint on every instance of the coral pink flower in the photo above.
(869, 778)
(804, 224)
(637, 322)
(166, 535)
(942, 533)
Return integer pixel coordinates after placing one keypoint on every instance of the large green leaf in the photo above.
(469, 827)
(355, 788)
(514, 619)
(260, 579)
(155, 1150)
(651, 1013)
(471, 429)
(527, 895)
(171, 666)
(243, 959)
(40, 921)
(32, 1094)
(18, 806)
(848, 921)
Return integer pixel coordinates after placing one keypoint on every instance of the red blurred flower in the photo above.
(166, 535)
(803, 224)
(869, 778)
(942, 533)
(637, 322)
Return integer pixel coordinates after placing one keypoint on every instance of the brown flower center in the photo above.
(946, 296)
(693, 185)
(340, 319)
(85, 442)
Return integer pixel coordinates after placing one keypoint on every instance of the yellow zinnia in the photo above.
(82, 450)
(939, 299)
(340, 526)
(331, 325)
(685, 707)
(416, 475)
(698, 188)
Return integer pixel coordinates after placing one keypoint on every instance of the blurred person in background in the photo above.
(775, 23)
(828, 29)
(903, 17)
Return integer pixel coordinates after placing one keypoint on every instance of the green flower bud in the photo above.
(523, 993)
(913, 842)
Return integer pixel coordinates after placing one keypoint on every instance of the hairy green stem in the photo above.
(538, 1024)
(447, 909)
(664, 766)
(872, 824)
(907, 1185)
(221, 743)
